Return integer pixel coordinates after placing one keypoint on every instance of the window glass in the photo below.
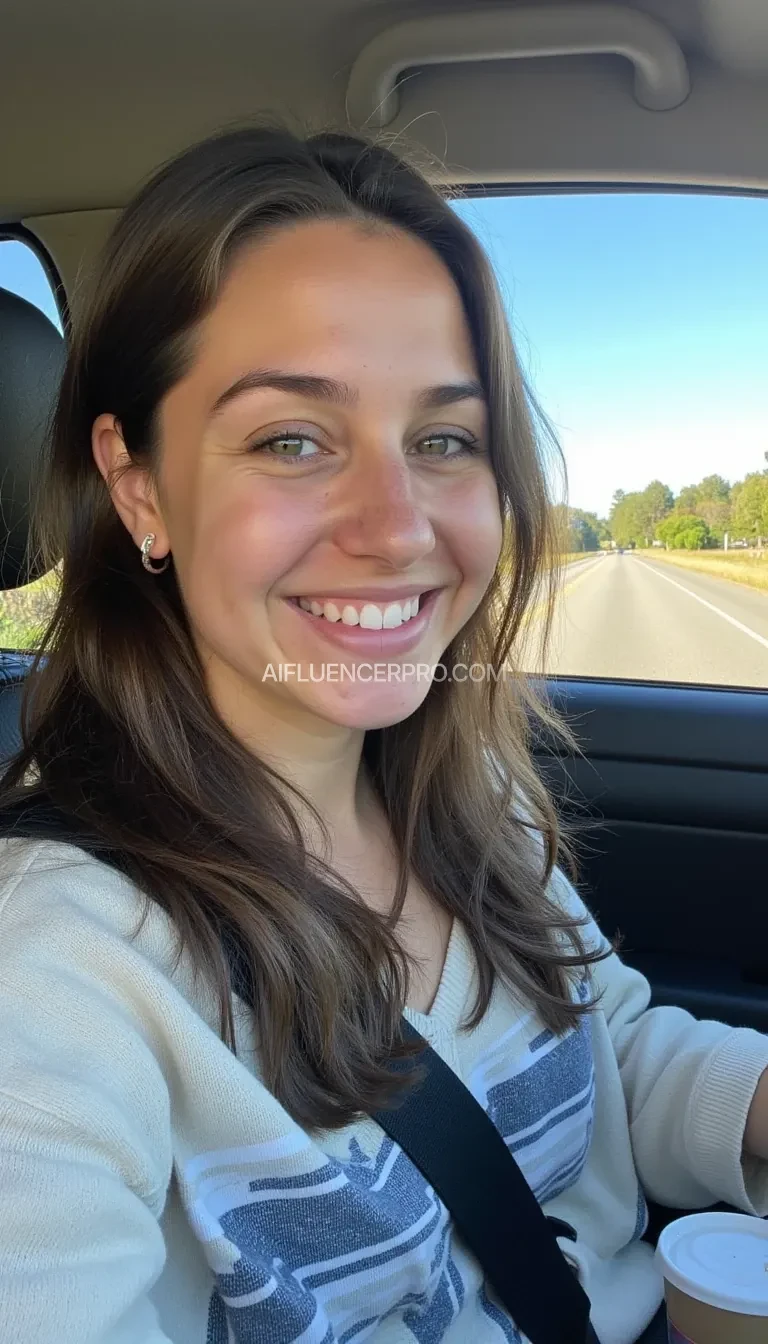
(23, 273)
(24, 611)
(641, 320)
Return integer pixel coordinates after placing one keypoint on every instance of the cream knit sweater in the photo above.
(153, 1190)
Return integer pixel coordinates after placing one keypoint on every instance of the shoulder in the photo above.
(41, 865)
(564, 894)
(63, 887)
(73, 928)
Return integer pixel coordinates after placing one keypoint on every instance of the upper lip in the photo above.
(373, 593)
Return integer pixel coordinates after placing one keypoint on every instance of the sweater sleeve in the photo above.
(688, 1086)
(85, 1151)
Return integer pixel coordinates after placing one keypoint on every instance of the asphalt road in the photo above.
(625, 617)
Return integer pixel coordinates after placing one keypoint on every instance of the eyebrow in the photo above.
(339, 394)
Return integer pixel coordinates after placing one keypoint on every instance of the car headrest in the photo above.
(31, 363)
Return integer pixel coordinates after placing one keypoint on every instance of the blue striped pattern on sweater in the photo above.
(319, 1249)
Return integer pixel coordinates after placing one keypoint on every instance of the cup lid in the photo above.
(720, 1259)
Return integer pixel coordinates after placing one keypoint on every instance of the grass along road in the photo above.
(747, 567)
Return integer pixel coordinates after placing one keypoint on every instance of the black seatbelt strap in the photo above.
(449, 1137)
(455, 1144)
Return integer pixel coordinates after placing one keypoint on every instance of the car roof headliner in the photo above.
(94, 95)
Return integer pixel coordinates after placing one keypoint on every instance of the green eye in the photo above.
(290, 445)
(445, 445)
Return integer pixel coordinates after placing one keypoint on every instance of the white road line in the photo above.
(745, 630)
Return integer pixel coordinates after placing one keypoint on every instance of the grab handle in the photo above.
(661, 73)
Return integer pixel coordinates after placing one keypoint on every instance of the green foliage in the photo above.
(625, 522)
(713, 488)
(688, 499)
(710, 500)
(25, 612)
(577, 530)
(714, 506)
(749, 506)
(600, 528)
(656, 501)
(683, 532)
(717, 515)
(635, 516)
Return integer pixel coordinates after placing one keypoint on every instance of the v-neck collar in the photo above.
(450, 999)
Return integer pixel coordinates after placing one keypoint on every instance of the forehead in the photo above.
(342, 292)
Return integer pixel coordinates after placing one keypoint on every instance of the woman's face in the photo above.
(324, 481)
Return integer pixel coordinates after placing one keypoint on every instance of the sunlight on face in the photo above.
(324, 477)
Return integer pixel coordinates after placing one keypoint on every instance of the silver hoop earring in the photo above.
(146, 559)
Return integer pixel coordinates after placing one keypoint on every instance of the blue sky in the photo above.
(642, 320)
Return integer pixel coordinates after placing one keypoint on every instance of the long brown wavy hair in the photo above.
(120, 730)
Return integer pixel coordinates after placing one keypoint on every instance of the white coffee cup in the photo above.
(715, 1268)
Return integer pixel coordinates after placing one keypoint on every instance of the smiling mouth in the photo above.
(368, 615)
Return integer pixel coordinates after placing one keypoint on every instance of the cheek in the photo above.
(248, 539)
(471, 525)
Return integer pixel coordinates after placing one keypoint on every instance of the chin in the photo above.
(369, 707)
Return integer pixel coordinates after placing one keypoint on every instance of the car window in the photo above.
(641, 320)
(24, 611)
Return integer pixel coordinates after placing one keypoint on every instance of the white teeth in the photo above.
(371, 617)
(394, 615)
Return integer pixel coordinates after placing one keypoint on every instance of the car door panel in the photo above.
(668, 811)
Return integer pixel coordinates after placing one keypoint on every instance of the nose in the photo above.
(380, 515)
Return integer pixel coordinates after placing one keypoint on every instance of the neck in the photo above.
(326, 769)
(320, 759)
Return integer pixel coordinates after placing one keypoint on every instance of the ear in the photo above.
(131, 486)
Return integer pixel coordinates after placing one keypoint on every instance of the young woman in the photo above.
(291, 446)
